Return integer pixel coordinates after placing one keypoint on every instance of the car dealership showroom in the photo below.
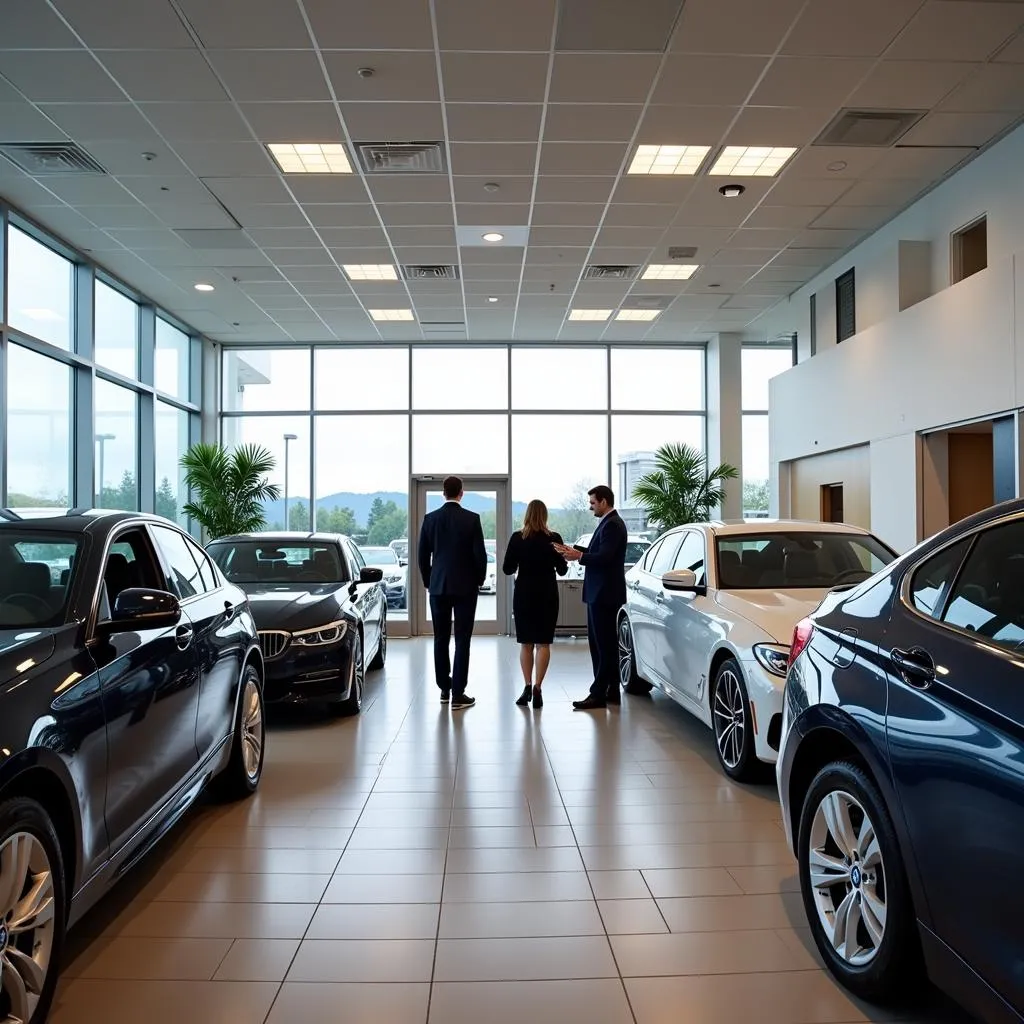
(664, 360)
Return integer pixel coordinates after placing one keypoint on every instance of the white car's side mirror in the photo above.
(681, 580)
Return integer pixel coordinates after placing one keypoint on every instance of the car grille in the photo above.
(273, 643)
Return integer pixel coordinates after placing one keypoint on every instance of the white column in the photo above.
(725, 419)
(209, 402)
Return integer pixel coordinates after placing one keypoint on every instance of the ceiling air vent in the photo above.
(875, 128)
(50, 158)
(606, 272)
(682, 252)
(430, 272)
(402, 157)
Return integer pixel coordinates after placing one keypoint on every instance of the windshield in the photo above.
(251, 561)
(35, 573)
(635, 551)
(379, 556)
(791, 561)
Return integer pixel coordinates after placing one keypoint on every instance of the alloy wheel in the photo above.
(27, 925)
(730, 718)
(847, 878)
(252, 729)
(625, 652)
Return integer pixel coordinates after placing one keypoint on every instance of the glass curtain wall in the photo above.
(349, 426)
(758, 367)
(98, 398)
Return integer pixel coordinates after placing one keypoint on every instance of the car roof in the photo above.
(283, 537)
(75, 520)
(739, 527)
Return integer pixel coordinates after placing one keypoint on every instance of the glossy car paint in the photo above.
(947, 754)
(117, 736)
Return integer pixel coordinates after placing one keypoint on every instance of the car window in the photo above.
(284, 562)
(931, 581)
(635, 550)
(651, 555)
(692, 555)
(35, 574)
(356, 557)
(207, 572)
(988, 595)
(130, 563)
(184, 578)
(665, 558)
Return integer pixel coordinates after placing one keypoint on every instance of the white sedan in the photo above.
(710, 612)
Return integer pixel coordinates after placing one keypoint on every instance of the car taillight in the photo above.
(801, 638)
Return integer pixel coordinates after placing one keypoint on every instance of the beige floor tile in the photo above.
(257, 960)
(273, 862)
(398, 839)
(514, 861)
(555, 835)
(732, 913)
(384, 889)
(363, 960)
(523, 959)
(517, 888)
(426, 818)
(706, 953)
(691, 882)
(375, 921)
(392, 862)
(148, 959)
(519, 920)
(282, 838)
(619, 885)
(492, 837)
(492, 817)
(309, 1003)
(632, 917)
(596, 1001)
(768, 878)
(215, 920)
(195, 887)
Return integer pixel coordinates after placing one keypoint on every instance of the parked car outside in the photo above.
(394, 574)
(490, 583)
(401, 550)
(636, 548)
(130, 677)
(709, 613)
(320, 610)
(901, 771)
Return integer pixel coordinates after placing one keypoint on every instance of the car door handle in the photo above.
(915, 665)
(659, 598)
(183, 636)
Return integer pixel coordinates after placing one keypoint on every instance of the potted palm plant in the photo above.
(229, 488)
(681, 489)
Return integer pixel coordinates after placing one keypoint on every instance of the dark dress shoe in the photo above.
(613, 698)
(588, 704)
(446, 696)
(538, 699)
(524, 697)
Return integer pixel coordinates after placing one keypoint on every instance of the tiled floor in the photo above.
(498, 865)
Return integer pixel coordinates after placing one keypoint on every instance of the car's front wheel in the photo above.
(352, 704)
(628, 676)
(33, 911)
(730, 718)
(241, 777)
(853, 884)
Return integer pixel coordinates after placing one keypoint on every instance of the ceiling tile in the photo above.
(854, 218)
(1013, 51)
(393, 122)
(192, 215)
(927, 164)
(421, 236)
(733, 26)
(21, 122)
(279, 215)
(397, 76)
(163, 188)
(416, 214)
(910, 85)
(838, 162)
(594, 27)
(831, 28)
(648, 215)
(644, 189)
(122, 216)
(581, 157)
(948, 129)
(541, 235)
(118, 24)
(163, 74)
(554, 189)
(701, 126)
(764, 238)
(568, 214)
(197, 122)
(792, 81)
(328, 188)
(275, 122)
(396, 25)
(300, 257)
(590, 122)
(57, 76)
(248, 191)
(951, 30)
(471, 189)
(629, 237)
(341, 215)
(828, 238)
(489, 158)
(253, 75)
(283, 237)
(714, 81)
(88, 190)
(494, 77)
(766, 216)
(602, 77)
(881, 193)
(483, 122)
(225, 159)
(355, 238)
(427, 254)
(96, 121)
(409, 188)
(471, 25)
(991, 87)
(30, 25)
(778, 126)
(493, 213)
(247, 24)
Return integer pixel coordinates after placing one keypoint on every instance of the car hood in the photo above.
(22, 649)
(287, 607)
(775, 611)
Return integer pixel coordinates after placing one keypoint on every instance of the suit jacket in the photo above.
(605, 562)
(452, 557)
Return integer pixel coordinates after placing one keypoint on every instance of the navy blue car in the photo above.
(901, 771)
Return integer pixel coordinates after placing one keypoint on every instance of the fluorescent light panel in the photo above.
(670, 271)
(668, 159)
(311, 157)
(752, 161)
(391, 314)
(637, 314)
(589, 314)
(370, 272)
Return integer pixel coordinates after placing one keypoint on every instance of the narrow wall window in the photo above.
(969, 250)
(846, 306)
(814, 324)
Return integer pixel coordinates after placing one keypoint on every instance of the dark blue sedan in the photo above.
(901, 771)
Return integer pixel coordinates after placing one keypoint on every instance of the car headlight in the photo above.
(393, 579)
(773, 658)
(321, 635)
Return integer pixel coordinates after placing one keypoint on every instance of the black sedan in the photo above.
(901, 771)
(321, 613)
(130, 676)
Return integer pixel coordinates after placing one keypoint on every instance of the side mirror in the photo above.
(683, 581)
(371, 575)
(140, 608)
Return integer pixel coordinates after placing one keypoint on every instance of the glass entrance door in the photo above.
(488, 497)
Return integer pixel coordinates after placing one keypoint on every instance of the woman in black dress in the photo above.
(535, 599)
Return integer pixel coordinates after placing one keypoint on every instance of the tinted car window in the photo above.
(130, 563)
(932, 580)
(666, 556)
(988, 595)
(35, 570)
(357, 558)
(635, 550)
(206, 570)
(268, 561)
(691, 555)
(651, 556)
(183, 572)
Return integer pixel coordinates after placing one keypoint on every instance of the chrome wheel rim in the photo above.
(357, 669)
(27, 923)
(252, 730)
(383, 638)
(730, 718)
(625, 652)
(847, 878)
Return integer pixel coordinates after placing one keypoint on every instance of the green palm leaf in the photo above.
(681, 489)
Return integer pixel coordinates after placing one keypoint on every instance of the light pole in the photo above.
(287, 439)
(101, 440)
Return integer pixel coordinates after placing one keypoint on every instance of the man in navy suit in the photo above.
(604, 593)
(453, 563)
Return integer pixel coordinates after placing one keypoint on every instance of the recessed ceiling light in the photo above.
(836, 165)
(492, 298)
(370, 271)
(668, 159)
(493, 236)
(391, 314)
(311, 157)
(204, 287)
(733, 190)
(670, 271)
(589, 314)
(752, 161)
(637, 314)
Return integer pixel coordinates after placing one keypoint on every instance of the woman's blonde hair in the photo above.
(536, 518)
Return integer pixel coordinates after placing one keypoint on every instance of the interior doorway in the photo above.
(488, 496)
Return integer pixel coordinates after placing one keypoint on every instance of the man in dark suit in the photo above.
(604, 593)
(453, 564)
